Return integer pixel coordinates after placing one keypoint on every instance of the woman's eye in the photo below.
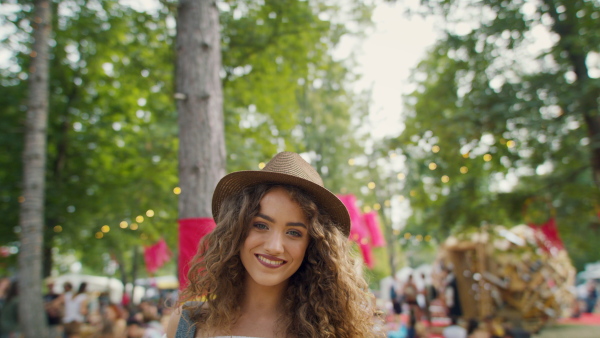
(295, 233)
(261, 226)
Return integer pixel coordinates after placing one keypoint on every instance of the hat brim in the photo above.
(235, 182)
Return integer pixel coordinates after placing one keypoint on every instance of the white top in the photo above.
(73, 308)
(455, 331)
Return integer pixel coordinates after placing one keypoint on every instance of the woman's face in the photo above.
(277, 240)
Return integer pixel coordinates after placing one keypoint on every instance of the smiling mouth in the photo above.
(271, 263)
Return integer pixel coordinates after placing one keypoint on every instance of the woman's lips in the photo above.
(270, 261)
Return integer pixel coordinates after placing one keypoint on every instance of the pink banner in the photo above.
(359, 231)
(367, 253)
(372, 224)
(191, 231)
(156, 255)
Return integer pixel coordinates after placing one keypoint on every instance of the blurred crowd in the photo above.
(78, 313)
(413, 307)
(416, 307)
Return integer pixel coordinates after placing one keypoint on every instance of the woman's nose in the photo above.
(274, 244)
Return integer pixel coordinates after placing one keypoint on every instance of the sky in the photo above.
(385, 58)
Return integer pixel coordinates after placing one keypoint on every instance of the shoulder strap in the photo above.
(185, 328)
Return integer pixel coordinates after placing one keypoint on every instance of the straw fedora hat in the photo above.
(285, 168)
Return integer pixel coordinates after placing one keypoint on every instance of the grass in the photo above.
(570, 331)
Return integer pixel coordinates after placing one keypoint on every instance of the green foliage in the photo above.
(112, 135)
(504, 120)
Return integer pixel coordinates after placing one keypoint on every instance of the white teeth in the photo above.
(268, 261)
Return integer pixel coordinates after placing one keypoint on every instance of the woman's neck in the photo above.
(260, 298)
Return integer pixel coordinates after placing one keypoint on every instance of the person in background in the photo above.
(592, 297)
(9, 316)
(454, 330)
(451, 296)
(410, 293)
(75, 309)
(4, 285)
(137, 329)
(396, 298)
(114, 324)
(54, 310)
(430, 294)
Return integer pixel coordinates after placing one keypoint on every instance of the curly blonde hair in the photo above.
(325, 297)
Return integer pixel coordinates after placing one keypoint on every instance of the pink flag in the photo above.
(357, 226)
(372, 224)
(191, 231)
(359, 232)
(365, 248)
(156, 255)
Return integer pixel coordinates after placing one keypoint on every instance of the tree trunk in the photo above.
(31, 314)
(587, 102)
(200, 106)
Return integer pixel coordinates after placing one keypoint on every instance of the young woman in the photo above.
(278, 263)
(75, 309)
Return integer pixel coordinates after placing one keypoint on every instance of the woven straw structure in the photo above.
(290, 169)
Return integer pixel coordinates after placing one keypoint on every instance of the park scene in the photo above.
(300, 168)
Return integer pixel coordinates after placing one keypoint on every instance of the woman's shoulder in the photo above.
(182, 311)
(174, 322)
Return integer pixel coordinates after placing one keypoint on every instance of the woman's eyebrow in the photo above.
(270, 219)
(294, 224)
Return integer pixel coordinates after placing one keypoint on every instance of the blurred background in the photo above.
(445, 121)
